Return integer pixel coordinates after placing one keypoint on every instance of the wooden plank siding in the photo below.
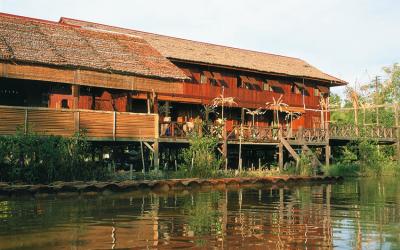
(89, 78)
(99, 125)
(249, 98)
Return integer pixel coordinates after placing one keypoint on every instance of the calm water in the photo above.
(355, 214)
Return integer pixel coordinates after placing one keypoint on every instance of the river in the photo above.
(354, 214)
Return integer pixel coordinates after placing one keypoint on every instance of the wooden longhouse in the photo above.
(123, 85)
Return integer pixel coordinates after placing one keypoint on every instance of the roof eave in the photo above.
(333, 83)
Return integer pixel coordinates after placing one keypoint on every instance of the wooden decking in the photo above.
(124, 126)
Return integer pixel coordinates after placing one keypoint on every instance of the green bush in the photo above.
(35, 158)
(200, 159)
(365, 158)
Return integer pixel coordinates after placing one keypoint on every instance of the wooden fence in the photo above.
(272, 134)
(98, 125)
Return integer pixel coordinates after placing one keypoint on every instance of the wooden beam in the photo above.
(75, 95)
(142, 154)
(327, 155)
(156, 154)
(289, 148)
(89, 78)
(280, 157)
(148, 146)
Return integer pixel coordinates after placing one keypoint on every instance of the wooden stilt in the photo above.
(225, 147)
(327, 155)
(141, 149)
(156, 154)
(280, 155)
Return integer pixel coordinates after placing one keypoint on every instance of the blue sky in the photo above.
(350, 39)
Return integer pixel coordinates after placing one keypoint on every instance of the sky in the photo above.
(350, 39)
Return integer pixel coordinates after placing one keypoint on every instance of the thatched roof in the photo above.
(199, 52)
(32, 41)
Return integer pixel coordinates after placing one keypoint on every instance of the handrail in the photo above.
(300, 135)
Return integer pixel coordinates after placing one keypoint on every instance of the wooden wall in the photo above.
(99, 125)
(203, 93)
(250, 98)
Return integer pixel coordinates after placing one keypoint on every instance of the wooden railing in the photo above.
(308, 135)
(254, 134)
(98, 125)
(273, 134)
(352, 131)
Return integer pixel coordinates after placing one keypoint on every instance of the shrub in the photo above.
(35, 158)
(200, 159)
(364, 158)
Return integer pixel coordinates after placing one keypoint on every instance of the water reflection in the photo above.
(357, 214)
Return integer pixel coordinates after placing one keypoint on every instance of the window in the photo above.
(213, 82)
(257, 87)
(266, 86)
(239, 82)
(64, 104)
(295, 88)
(203, 78)
(316, 92)
(249, 85)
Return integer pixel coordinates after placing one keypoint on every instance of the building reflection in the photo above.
(297, 217)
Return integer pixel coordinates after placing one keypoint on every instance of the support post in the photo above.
(114, 125)
(155, 103)
(327, 155)
(26, 121)
(75, 95)
(156, 157)
(280, 156)
(156, 154)
(148, 103)
(76, 121)
(225, 146)
(141, 150)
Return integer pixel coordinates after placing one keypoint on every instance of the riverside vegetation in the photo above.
(34, 158)
(366, 157)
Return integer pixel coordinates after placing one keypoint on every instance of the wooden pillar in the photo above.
(156, 154)
(142, 154)
(75, 95)
(167, 109)
(155, 104)
(225, 146)
(75, 105)
(156, 143)
(280, 157)
(148, 103)
(327, 155)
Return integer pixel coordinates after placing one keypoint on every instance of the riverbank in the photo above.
(80, 187)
